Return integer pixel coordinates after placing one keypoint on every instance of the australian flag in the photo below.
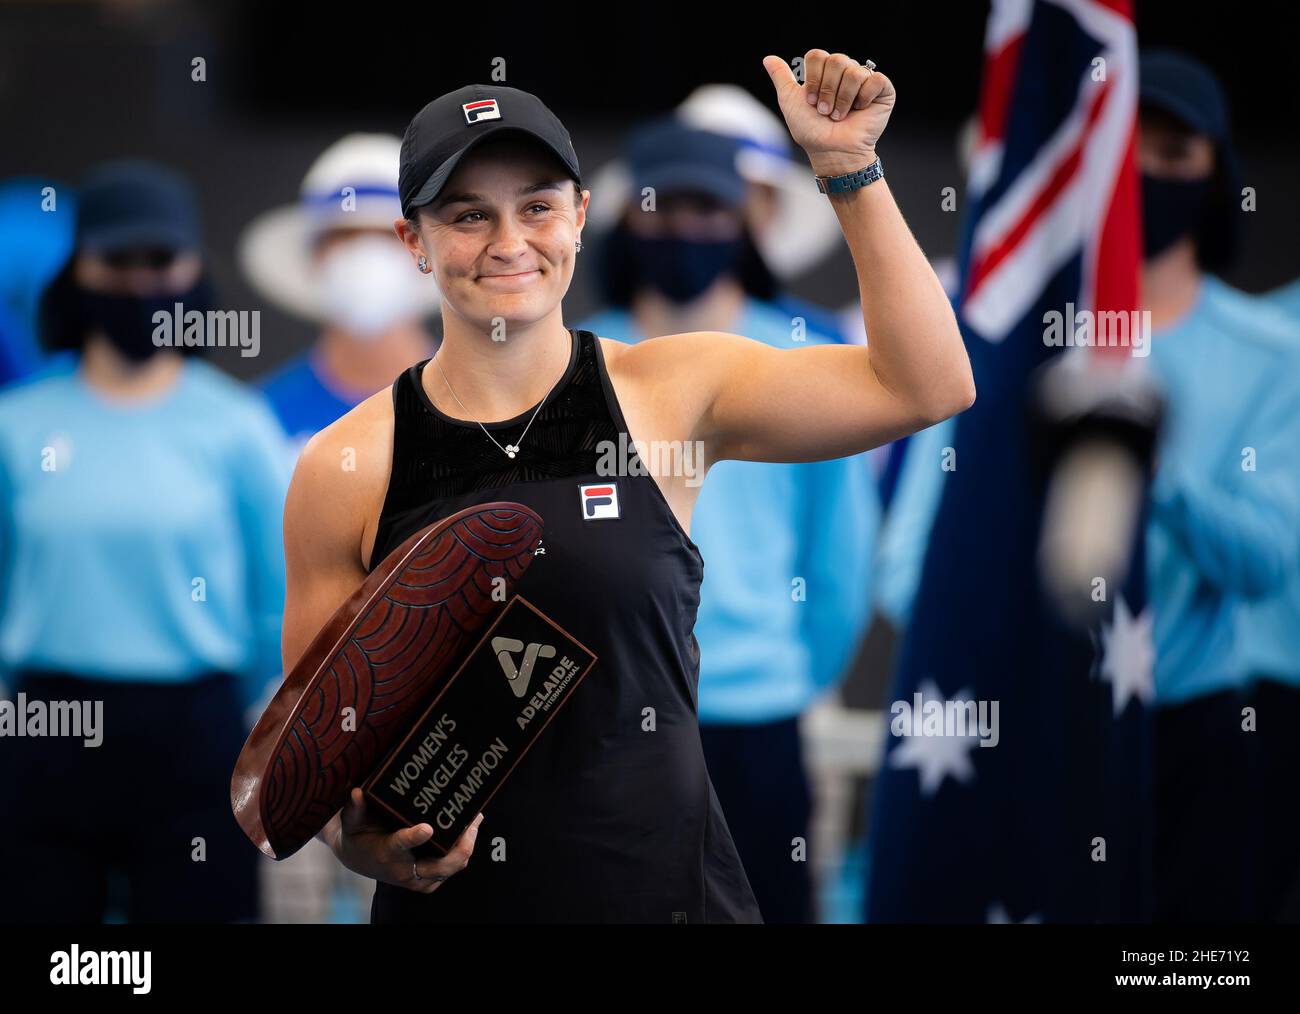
(1049, 821)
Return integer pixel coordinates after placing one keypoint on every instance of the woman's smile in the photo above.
(517, 278)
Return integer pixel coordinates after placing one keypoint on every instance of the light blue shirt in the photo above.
(1225, 521)
(769, 643)
(141, 541)
(1268, 636)
(905, 534)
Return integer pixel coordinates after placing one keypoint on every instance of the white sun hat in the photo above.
(804, 228)
(351, 185)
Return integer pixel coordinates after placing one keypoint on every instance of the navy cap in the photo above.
(136, 204)
(450, 126)
(668, 155)
(1185, 88)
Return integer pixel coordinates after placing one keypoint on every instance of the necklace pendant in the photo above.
(510, 450)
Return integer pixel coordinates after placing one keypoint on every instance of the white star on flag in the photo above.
(936, 757)
(1128, 658)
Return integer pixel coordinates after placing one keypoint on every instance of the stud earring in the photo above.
(578, 245)
(424, 265)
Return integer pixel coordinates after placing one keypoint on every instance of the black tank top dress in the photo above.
(611, 816)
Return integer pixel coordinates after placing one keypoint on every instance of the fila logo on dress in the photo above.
(483, 109)
(599, 501)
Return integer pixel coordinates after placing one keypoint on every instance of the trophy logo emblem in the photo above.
(506, 647)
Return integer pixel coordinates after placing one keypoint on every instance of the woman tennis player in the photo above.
(611, 816)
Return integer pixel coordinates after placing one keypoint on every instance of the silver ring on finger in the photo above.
(416, 870)
(870, 65)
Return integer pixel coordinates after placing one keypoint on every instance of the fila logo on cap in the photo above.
(599, 501)
(483, 109)
(519, 677)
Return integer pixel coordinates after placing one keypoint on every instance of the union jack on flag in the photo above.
(1054, 185)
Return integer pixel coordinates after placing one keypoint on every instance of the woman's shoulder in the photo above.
(651, 353)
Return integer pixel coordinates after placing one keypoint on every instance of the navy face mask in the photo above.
(682, 269)
(1170, 210)
(127, 321)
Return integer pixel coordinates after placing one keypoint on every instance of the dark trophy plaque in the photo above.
(373, 667)
(480, 725)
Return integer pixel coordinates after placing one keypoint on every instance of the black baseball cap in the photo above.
(441, 133)
(1185, 88)
(670, 155)
(135, 203)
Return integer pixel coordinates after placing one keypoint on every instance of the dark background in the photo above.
(83, 82)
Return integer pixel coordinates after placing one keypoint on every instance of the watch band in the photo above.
(851, 181)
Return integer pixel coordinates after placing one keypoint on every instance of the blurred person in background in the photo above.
(142, 569)
(786, 588)
(333, 258)
(1225, 522)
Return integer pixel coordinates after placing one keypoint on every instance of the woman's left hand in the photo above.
(857, 102)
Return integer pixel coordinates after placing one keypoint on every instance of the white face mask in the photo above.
(367, 284)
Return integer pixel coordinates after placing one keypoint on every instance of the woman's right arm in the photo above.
(338, 484)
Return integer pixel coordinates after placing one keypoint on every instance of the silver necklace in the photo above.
(510, 450)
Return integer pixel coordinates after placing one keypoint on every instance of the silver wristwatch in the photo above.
(850, 181)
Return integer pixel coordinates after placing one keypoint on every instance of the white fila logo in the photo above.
(483, 109)
(599, 500)
(519, 677)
